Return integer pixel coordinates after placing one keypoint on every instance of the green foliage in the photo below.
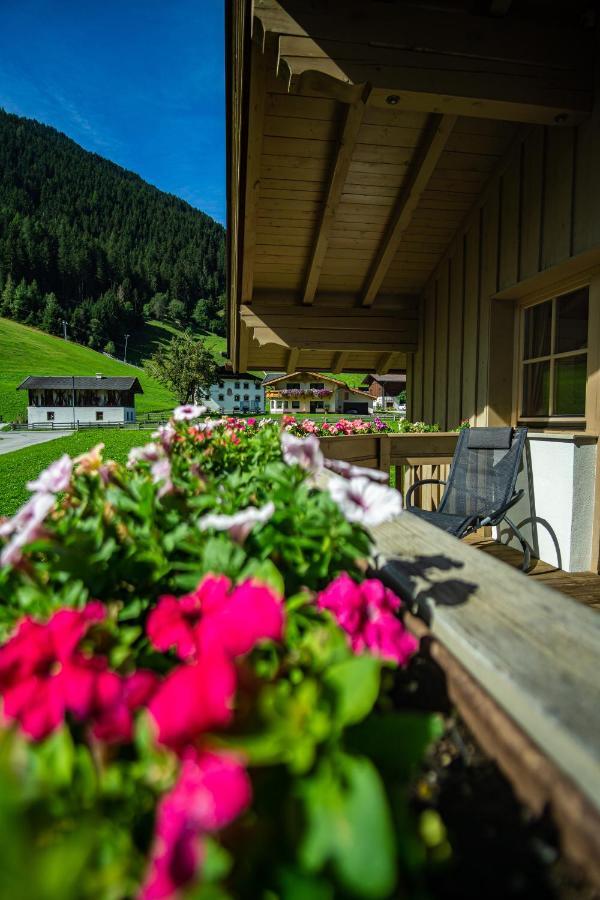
(185, 366)
(26, 351)
(85, 240)
(306, 708)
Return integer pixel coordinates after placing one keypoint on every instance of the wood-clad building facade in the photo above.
(417, 186)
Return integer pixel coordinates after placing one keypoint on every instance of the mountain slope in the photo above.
(27, 351)
(84, 240)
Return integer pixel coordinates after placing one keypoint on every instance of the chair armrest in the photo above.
(417, 484)
(498, 514)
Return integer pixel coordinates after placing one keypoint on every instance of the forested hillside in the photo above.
(84, 240)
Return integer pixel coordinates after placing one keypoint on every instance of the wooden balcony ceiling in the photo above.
(371, 131)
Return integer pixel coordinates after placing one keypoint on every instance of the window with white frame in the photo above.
(554, 346)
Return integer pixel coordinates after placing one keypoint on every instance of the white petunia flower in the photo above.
(165, 435)
(57, 477)
(364, 501)
(24, 527)
(188, 411)
(304, 452)
(347, 470)
(148, 453)
(240, 524)
(161, 474)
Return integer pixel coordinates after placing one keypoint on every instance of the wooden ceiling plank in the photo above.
(255, 139)
(349, 135)
(427, 158)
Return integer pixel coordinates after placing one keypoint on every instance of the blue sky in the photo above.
(138, 81)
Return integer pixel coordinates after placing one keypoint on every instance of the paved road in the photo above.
(16, 440)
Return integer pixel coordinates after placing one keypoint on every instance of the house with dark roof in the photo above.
(388, 391)
(73, 399)
(312, 392)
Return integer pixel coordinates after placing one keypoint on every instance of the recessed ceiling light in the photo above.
(393, 99)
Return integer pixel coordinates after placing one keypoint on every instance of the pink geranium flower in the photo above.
(42, 674)
(215, 615)
(57, 477)
(211, 792)
(367, 612)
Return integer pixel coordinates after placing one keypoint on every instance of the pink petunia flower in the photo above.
(215, 615)
(42, 674)
(363, 501)
(302, 451)
(367, 613)
(212, 790)
(194, 699)
(188, 411)
(113, 715)
(240, 524)
(55, 478)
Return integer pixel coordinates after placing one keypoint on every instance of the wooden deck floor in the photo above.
(582, 586)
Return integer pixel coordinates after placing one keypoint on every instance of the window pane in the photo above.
(569, 385)
(536, 389)
(572, 321)
(538, 328)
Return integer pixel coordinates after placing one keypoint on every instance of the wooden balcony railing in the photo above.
(521, 660)
(413, 456)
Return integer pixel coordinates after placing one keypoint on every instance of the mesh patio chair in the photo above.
(481, 485)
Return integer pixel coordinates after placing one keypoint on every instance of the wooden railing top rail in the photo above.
(383, 450)
(534, 652)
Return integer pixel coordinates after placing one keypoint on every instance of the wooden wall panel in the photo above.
(539, 209)
(455, 337)
(471, 322)
(557, 221)
(440, 409)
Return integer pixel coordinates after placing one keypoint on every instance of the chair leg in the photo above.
(524, 545)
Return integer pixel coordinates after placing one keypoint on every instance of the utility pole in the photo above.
(64, 325)
(125, 354)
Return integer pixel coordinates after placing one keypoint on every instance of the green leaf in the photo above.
(266, 572)
(349, 824)
(396, 741)
(356, 685)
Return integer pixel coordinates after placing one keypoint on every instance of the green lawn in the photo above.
(17, 468)
(27, 351)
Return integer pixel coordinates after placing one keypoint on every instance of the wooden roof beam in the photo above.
(292, 360)
(490, 66)
(384, 364)
(426, 160)
(349, 134)
(254, 152)
(339, 361)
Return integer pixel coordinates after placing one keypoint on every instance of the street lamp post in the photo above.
(64, 325)
(125, 354)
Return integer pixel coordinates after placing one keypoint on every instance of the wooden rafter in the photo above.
(339, 361)
(255, 137)
(384, 364)
(292, 359)
(349, 134)
(427, 158)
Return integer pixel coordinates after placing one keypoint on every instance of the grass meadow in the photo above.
(17, 468)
